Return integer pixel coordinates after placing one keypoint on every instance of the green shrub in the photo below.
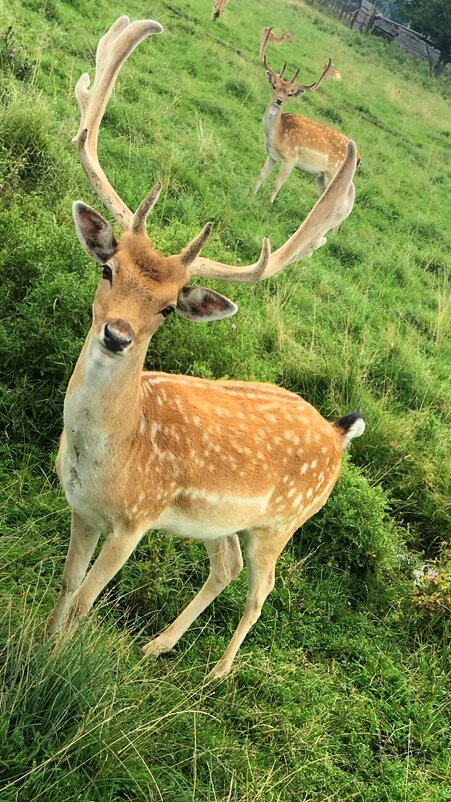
(354, 530)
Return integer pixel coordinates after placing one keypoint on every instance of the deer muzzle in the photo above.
(117, 336)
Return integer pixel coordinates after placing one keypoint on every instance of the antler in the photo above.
(328, 70)
(266, 33)
(334, 206)
(113, 49)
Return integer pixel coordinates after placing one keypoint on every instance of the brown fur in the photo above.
(275, 38)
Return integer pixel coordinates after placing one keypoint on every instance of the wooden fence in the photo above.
(364, 16)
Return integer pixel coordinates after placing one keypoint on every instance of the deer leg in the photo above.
(327, 178)
(262, 550)
(83, 540)
(321, 183)
(226, 563)
(266, 169)
(114, 554)
(285, 171)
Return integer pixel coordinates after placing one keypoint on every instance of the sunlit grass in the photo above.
(340, 691)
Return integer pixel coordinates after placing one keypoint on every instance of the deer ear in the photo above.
(270, 78)
(202, 305)
(297, 92)
(94, 233)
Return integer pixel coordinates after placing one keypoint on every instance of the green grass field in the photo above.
(341, 692)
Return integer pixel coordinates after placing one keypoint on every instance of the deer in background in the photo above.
(274, 38)
(218, 8)
(294, 140)
(148, 450)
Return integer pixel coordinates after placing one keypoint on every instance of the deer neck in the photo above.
(103, 397)
(271, 122)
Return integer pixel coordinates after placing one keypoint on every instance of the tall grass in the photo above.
(340, 692)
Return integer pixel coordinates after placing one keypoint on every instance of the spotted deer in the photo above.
(294, 140)
(275, 38)
(218, 8)
(148, 450)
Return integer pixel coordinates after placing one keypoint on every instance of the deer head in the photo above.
(283, 89)
(140, 287)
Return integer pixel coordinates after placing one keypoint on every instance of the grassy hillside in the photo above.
(340, 692)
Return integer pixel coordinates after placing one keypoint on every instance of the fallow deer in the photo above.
(218, 8)
(274, 37)
(148, 450)
(294, 140)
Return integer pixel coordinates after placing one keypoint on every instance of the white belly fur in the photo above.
(215, 516)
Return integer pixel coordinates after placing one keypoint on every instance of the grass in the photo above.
(340, 692)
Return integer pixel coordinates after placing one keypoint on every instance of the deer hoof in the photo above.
(220, 670)
(155, 647)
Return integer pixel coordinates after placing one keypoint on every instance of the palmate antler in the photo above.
(334, 206)
(113, 49)
(328, 70)
(331, 209)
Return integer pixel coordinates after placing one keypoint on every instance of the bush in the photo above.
(354, 530)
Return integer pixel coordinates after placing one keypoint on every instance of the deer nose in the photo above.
(117, 335)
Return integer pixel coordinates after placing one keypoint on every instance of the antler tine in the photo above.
(334, 206)
(283, 69)
(207, 268)
(145, 207)
(328, 70)
(295, 75)
(264, 41)
(113, 49)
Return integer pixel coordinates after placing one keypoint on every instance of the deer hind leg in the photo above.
(285, 171)
(321, 183)
(226, 563)
(327, 178)
(266, 169)
(262, 550)
(83, 540)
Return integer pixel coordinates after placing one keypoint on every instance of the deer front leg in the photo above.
(285, 171)
(266, 169)
(226, 563)
(262, 550)
(113, 555)
(83, 540)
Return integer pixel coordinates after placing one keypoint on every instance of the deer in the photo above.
(218, 8)
(294, 140)
(275, 38)
(144, 450)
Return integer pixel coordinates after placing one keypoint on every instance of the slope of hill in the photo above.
(339, 693)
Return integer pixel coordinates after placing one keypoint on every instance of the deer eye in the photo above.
(167, 310)
(107, 273)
